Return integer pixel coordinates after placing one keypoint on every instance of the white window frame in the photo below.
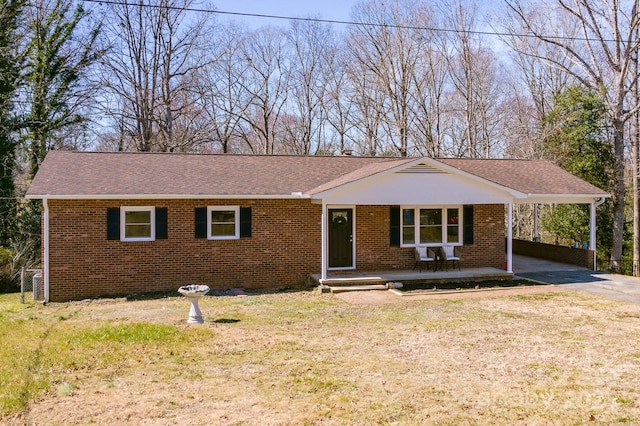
(416, 214)
(236, 210)
(123, 224)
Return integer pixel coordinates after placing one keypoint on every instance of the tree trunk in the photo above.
(636, 188)
(635, 161)
(618, 195)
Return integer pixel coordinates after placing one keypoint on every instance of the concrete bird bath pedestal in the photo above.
(194, 292)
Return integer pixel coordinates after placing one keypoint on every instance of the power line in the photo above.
(350, 23)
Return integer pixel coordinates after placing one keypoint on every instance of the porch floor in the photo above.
(368, 278)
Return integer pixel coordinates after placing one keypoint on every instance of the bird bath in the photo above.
(194, 292)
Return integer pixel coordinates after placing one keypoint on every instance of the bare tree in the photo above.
(541, 79)
(313, 46)
(367, 113)
(521, 126)
(386, 51)
(338, 103)
(475, 83)
(219, 87)
(266, 84)
(602, 60)
(535, 83)
(154, 49)
(429, 104)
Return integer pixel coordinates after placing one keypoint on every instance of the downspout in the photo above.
(45, 246)
(592, 229)
(510, 238)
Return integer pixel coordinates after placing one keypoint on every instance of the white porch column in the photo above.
(510, 237)
(536, 230)
(323, 243)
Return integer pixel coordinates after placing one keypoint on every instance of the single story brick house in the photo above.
(122, 223)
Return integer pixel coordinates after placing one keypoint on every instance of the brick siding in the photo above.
(489, 244)
(283, 251)
(374, 253)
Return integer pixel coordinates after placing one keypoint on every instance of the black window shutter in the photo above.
(201, 222)
(467, 226)
(245, 222)
(161, 223)
(394, 226)
(113, 223)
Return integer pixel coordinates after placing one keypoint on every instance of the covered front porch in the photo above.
(372, 222)
(352, 280)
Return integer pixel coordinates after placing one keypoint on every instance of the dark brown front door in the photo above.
(340, 238)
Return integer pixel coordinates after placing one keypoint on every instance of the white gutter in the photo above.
(45, 245)
(567, 195)
(293, 195)
(558, 198)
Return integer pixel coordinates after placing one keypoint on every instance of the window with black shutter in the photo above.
(161, 223)
(245, 222)
(113, 223)
(137, 223)
(467, 226)
(223, 222)
(394, 226)
(201, 222)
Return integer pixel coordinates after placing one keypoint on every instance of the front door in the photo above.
(340, 238)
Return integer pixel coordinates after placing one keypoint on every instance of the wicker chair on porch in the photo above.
(422, 255)
(448, 254)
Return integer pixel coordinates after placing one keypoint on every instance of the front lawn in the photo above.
(310, 358)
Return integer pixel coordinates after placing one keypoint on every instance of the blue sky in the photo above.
(338, 10)
(326, 9)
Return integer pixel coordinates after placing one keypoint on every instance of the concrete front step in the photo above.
(362, 287)
(367, 279)
(345, 288)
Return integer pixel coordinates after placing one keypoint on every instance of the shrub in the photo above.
(8, 275)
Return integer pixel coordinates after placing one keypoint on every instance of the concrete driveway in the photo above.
(619, 287)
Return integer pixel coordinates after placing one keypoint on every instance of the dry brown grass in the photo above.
(529, 358)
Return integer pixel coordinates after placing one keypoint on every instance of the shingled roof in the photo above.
(66, 174)
(527, 176)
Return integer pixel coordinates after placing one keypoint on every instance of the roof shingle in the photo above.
(67, 173)
(527, 176)
(117, 174)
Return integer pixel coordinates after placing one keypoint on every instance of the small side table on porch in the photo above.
(440, 259)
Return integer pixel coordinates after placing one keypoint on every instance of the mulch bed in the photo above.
(467, 285)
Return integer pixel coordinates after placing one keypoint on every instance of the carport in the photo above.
(535, 183)
(602, 283)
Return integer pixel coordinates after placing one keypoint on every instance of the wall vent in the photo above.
(422, 168)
